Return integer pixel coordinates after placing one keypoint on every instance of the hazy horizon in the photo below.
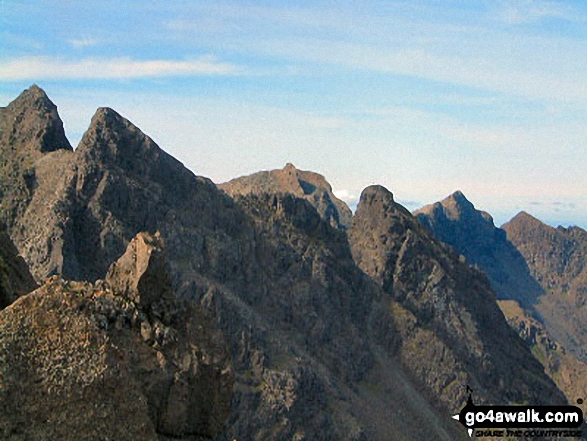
(423, 97)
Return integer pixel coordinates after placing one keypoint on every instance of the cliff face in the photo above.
(452, 331)
(85, 361)
(471, 232)
(557, 259)
(302, 184)
(568, 372)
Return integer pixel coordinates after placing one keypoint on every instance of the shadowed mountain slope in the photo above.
(557, 258)
(452, 331)
(471, 232)
(527, 262)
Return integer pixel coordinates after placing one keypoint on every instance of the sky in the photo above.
(423, 97)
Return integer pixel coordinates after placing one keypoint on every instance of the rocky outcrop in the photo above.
(85, 361)
(557, 259)
(307, 185)
(452, 331)
(15, 278)
(471, 232)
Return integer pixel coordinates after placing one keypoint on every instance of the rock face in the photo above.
(29, 128)
(302, 184)
(451, 330)
(84, 361)
(569, 373)
(471, 232)
(15, 278)
(277, 279)
(557, 258)
(530, 263)
(320, 350)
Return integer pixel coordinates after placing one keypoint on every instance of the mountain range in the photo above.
(260, 310)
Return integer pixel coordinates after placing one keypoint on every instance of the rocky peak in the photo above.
(303, 184)
(472, 233)
(524, 219)
(454, 207)
(141, 273)
(112, 137)
(290, 168)
(376, 194)
(31, 123)
(445, 316)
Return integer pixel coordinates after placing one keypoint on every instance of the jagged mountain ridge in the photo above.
(557, 259)
(471, 232)
(276, 278)
(526, 262)
(452, 330)
(302, 184)
(313, 342)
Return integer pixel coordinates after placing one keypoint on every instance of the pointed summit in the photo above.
(112, 139)
(31, 124)
(524, 218)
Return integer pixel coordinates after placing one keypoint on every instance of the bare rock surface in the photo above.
(569, 373)
(307, 185)
(557, 259)
(471, 232)
(15, 278)
(452, 331)
(81, 361)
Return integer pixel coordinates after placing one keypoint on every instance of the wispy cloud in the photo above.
(83, 42)
(528, 11)
(42, 68)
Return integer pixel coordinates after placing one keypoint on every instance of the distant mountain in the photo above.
(471, 232)
(557, 259)
(307, 185)
(540, 267)
(451, 331)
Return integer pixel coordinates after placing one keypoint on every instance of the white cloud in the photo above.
(43, 68)
(346, 196)
(528, 11)
(83, 42)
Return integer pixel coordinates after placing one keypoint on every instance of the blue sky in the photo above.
(424, 97)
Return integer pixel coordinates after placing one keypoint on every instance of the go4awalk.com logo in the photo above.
(520, 421)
